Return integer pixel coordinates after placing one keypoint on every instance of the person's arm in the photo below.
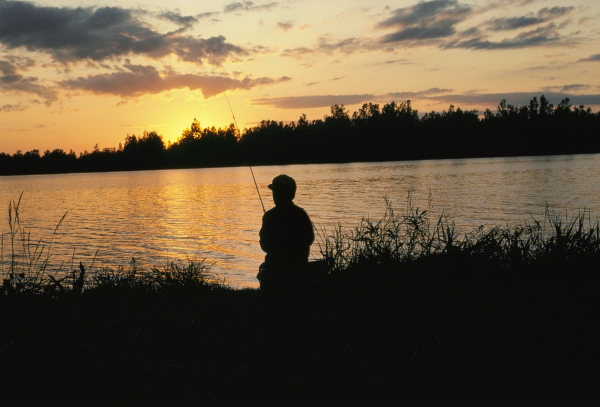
(265, 238)
(310, 233)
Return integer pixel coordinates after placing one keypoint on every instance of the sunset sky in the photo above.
(76, 73)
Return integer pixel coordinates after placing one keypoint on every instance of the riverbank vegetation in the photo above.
(395, 131)
(411, 312)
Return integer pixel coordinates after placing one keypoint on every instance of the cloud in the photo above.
(297, 53)
(347, 46)
(544, 15)
(568, 88)
(248, 6)
(512, 23)
(285, 26)
(435, 22)
(75, 34)
(309, 102)
(337, 78)
(554, 12)
(431, 22)
(539, 36)
(207, 15)
(426, 20)
(184, 21)
(419, 94)
(591, 58)
(12, 81)
(401, 61)
(13, 108)
(514, 98)
(436, 95)
(328, 46)
(138, 80)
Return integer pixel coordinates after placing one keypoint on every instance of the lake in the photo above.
(158, 216)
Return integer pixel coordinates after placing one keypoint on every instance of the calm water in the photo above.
(157, 216)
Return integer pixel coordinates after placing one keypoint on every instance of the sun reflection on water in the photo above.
(157, 216)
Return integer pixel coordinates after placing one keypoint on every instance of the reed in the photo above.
(176, 275)
(25, 269)
(24, 261)
(397, 239)
(422, 332)
(409, 236)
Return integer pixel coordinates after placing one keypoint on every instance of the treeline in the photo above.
(395, 131)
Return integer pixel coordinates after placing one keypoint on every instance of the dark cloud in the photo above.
(206, 15)
(184, 21)
(425, 21)
(74, 34)
(554, 12)
(11, 81)
(139, 80)
(309, 102)
(539, 36)
(429, 22)
(435, 22)
(591, 58)
(512, 23)
(248, 6)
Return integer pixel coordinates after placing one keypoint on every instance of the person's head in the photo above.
(284, 189)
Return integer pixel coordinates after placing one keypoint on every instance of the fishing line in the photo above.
(248, 160)
(245, 155)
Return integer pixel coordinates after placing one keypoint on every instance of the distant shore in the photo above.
(394, 132)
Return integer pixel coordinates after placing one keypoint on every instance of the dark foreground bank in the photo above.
(409, 313)
(431, 333)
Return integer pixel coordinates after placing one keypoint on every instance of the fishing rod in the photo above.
(249, 165)
(245, 155)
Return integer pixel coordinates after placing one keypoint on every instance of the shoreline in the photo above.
(307, 163)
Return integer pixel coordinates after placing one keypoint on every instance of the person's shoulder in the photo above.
(300, 210)
(270, 213)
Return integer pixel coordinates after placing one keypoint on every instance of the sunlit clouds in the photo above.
(137, 80)
(94, 68)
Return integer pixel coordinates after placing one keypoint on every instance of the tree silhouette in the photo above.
(392, 132)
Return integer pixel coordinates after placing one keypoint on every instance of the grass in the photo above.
(410, 237)
(412, 313)
(28, 273)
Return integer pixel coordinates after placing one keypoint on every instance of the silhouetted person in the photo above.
(286, 236)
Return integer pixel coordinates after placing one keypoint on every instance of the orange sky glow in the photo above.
(77, 73)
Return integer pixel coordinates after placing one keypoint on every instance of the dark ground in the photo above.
(486, 338)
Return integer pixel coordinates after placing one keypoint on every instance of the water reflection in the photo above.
(215, 213)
